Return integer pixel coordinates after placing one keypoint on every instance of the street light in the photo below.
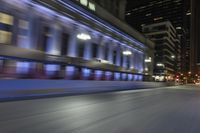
(147, 60)
(83, 36)
(146, 69)
(160, 64)
(127, 52)
(188, 13)
(172, 56)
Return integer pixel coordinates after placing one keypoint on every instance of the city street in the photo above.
(99, 66)
(163, 110)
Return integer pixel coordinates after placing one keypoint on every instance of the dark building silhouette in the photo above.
(116, 7)
(167, 49)
(145, 12)
(195, 36)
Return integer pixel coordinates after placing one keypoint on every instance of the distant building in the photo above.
(195, 37)
(167, 49)
(145, 12)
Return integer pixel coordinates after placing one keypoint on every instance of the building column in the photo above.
(135, 61)
(131, 67)
(108, 74)
(118, 56)
(54, 42)
(117, 75)
(70, 71)
(54, 48)
(31, 39)
(124, 65)
(131, 59)
(72, 47)
(87, 54)
(100, 55)
(101, 49)
(135, 65)
(110, 52)
(29, 42)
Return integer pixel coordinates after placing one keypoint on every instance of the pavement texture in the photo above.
(162, 110)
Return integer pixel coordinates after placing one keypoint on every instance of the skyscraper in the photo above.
(195, 36)
(144, 12)
(167, 49)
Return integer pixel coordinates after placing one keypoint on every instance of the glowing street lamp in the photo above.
(83, 36)
(147, 60)
(172, 56)
(160, 65)
(127, 52)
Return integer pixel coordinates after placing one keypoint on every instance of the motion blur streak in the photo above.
(61, 40)
(164, 110)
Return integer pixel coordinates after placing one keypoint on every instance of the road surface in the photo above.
(163, 110)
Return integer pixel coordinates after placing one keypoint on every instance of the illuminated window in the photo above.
(84, 2)
(158, 18)
(6, 19)
(92, 6)
(148, 14)
(128, 13)
(5, 37)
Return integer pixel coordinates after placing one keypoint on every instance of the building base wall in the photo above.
(24, 88)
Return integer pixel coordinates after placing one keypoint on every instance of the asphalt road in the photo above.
(163, 110)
